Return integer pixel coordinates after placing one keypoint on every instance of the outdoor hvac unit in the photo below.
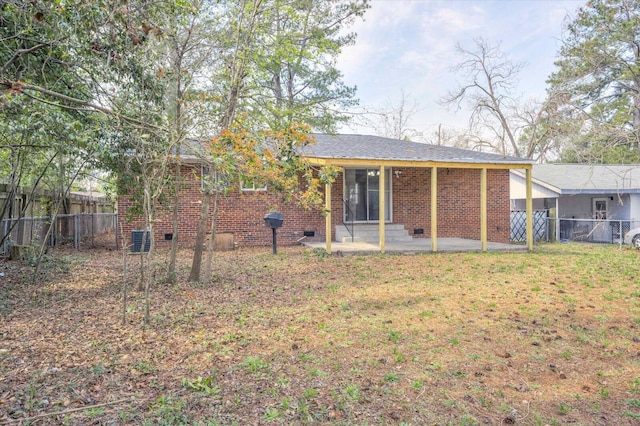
(136, 241)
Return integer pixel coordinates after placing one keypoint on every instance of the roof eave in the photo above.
(344, 162)
(599, 191)
(539, 182)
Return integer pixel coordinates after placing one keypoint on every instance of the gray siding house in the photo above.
(595, 201)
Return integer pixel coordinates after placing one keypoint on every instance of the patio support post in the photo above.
(327, 218)
(382, 209)
(529, 210)
(434, 209)
(483, 208)
(557, 222)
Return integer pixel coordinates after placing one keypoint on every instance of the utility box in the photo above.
(273, 220)
(136, 241)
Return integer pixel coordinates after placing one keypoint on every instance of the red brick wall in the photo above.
(242, 212)
(458, 202)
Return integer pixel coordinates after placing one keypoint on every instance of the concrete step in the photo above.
(370, 233)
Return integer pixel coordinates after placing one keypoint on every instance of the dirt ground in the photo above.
(544, 338)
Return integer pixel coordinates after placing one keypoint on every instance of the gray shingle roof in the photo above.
(364, 147)
(586, 178)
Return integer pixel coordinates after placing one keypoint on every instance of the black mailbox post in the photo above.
(274, 221)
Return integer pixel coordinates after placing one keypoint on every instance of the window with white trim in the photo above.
(252, 185)
(221, 180)
(600, 208)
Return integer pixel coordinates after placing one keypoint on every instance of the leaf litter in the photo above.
(298, 338)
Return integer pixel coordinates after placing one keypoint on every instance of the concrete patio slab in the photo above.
(417, 245)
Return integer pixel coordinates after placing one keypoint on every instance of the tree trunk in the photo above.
(196, 265)
(148, 226)
(238, 75)
(636, 116)
(174, 223)
(212, 238)
(178, 175)
(124, 279)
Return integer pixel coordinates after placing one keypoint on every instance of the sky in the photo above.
(410, 46)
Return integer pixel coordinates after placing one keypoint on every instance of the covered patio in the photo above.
(454, 192)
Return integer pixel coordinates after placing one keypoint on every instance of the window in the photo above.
(600, 208)
(221, 181)
(252, 185)
(203, 176)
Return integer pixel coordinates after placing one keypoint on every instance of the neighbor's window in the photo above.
(252, 185)
(600, 208)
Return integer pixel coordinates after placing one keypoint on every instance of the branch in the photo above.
(24, 145)
(71, 410)
(18, 86)
(20, 52)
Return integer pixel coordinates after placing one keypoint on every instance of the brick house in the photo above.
(467, 190)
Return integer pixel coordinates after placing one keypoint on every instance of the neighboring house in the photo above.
(429, 191)
(593, 200)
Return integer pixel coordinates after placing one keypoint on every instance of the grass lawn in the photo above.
(544, 338)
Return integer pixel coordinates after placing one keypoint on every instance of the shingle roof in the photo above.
(365, 147)
(586, 178)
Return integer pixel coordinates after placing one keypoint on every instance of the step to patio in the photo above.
(371, 233)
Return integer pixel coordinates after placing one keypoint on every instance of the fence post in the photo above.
(115, 226)
(76, 242)
(52, 230)
(621, 233)
(5, 236)
(93, 218)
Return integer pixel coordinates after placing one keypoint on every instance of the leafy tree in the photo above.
(190, 49)
(157, 72)
(278, 69)
(61, 63)
(297, 48)
(598, 83)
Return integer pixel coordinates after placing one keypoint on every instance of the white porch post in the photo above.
(327, 218)
(434, 209)
(529, 210)
(381, 207)
(557, 222)
(483, 209)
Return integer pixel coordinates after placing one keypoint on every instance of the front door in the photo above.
(362, 192)
(601, 229)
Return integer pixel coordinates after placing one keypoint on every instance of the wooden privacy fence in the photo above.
(67, 228)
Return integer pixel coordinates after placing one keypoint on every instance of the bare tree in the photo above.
(392, 121)
(499, 119)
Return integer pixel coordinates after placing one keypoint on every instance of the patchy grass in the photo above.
(549, 337)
